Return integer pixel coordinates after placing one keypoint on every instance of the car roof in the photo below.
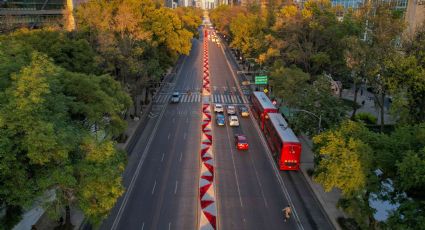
(220, 115)
(218, 105)
(230, 106)
(241, 137)
(233, 116)
(176, 93)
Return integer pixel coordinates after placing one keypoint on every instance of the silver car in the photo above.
(231, 110)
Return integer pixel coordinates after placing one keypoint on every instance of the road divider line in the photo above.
(259, 181)
(175, 188)
(234, 166)
(143, 225)
(162, 158)
(153, 189)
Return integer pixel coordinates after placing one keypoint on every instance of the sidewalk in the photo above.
(369, 104)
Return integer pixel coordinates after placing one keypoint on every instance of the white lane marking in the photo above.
(175, 188)
(181, 155)
(136, 173)
(169, 136)
(162, 158)
(184, 136)
(187, 119)
(234, 165)
(184, 98)
(143, 225)
(268, 153)
(153, 189)
(169, 225)
(174, 119)
(222, 98)
(259, 182)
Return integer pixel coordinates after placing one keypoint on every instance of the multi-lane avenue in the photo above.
(162, 175)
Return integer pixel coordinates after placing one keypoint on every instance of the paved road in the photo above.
(250, 195)
(165, 193)
(165, 160)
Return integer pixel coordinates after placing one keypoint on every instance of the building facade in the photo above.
(30, 13)
(415, 16)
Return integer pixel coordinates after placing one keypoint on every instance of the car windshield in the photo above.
(175, 94)
(244, 109)
(242, 140)
(218, 106)
(220, 116)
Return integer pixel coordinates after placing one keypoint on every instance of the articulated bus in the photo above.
(284, 145)
(262, 106)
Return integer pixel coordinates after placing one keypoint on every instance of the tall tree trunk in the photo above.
(356, 90)
(382, 110)
(68, 224)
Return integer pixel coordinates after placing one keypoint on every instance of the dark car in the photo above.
(220, 119)
(241, 142)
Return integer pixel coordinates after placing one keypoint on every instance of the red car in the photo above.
(241, 142)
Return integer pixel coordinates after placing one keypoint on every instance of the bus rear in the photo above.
(290, 156)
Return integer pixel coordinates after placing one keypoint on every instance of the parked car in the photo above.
(218, 108)
(244, 111)
(219, 118)
(175, 97)
(241, 142)
(231, 110)
(233, 120)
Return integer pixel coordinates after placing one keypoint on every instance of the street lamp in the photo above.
(314, 115)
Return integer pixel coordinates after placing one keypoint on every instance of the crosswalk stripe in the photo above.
(233, 98)
(184, 98)
(222, 98)
(192, 99)
(239, 99)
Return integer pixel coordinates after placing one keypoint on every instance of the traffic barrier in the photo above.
(208, 217)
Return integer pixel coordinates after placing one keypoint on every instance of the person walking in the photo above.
(287, 211)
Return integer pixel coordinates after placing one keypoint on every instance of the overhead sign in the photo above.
(261, 80)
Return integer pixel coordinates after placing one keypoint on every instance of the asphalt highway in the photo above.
(162, 174)
(251, 194)
(163, 169)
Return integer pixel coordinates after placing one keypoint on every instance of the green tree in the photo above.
(344, 159)
(247, 31)
(43, 119)
(288, 83)
(384, 26)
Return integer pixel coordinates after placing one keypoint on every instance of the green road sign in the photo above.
(261, 80)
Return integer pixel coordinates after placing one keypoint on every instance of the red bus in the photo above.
(284, 145)
(262, 106)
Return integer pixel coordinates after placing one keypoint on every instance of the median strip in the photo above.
(206, 180)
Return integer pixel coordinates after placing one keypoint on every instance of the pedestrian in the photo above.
(363, 102)
(361, 92)
(287, 212)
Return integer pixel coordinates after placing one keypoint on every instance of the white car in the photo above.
(231, 110)
(218, 108)
(233, 120)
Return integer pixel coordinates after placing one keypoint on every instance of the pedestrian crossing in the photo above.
(197, 97)
(226, 99)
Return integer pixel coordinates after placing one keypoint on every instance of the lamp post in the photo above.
(314, 115)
